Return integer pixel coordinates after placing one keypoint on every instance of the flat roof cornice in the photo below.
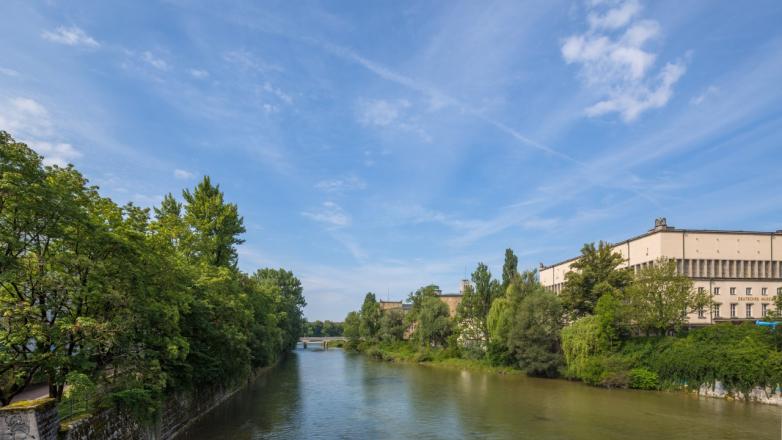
(672, 230)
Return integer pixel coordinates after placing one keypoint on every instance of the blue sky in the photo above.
(386, 145)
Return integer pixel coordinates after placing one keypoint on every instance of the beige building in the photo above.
(741, 269)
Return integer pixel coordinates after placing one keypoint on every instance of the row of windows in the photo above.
(729, 268)
(747, 291)
(748, 311)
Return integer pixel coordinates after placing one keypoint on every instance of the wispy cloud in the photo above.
(199, 73)
(248, 61)
(8, 72)
(615, 64)
(380, 112)
(433, 94)
(182, 174)
(386, 114)
(70, 36)
(279, 93)
(341, 185)
(710, 91)
(154, 61)
(330, 214)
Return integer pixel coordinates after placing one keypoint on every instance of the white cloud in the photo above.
(384, 113)
(25, 118)
(380, 112)
(182, 174)
(147, 200)
(8, 72)
(152, 60)
(28, 120)
(71, 36)
(341, 185)
(615, 18)
(282, 96)
(199, 73)
(59, 154)
(615, 64)
(331, 214)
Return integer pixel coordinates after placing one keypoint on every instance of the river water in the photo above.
(332, 394)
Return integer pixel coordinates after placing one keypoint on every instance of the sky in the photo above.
(386, 145)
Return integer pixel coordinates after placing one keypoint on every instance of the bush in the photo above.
(423, 356)
(643, 379)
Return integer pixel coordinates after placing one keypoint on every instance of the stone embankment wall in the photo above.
(769, 396)
(31, 419)
(178, 412)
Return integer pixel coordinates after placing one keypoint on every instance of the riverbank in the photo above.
(401, 352)
(727, 362)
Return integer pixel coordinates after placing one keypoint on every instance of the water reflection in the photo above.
(332, 394)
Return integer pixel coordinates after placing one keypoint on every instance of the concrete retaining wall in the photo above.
(769, 396)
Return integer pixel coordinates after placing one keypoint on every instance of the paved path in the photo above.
(32, 392)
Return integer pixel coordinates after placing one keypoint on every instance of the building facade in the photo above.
(741, 269)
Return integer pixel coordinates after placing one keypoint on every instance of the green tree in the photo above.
(290, 303)
(596, 265)
(509, 268)
(216, 225)
(352, 326)
(534, 335)
(370, 318)
(433, 326)
(474, 307)
(392, 325)
(331, 328)
(659, 298)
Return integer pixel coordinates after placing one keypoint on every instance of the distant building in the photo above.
(741, 269)
(452, 300)
(389, 305)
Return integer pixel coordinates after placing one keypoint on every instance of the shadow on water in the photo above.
(333, 394)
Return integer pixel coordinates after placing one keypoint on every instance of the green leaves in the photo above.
(139, 306)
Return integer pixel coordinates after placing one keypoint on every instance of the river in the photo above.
(337, 395)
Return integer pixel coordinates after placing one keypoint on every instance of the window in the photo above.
(700, 290)
(749, 291)
(749, 310)
(701, 313)
(716, 290)
(779, 290)
(717, 310)
(764, 291)
(733, 310)
(732, 290)
(764, 310)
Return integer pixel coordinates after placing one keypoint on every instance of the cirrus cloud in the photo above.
(70, 36)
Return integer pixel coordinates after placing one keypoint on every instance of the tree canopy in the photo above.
(141, 305)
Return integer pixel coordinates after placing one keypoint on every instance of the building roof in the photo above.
(661, 226)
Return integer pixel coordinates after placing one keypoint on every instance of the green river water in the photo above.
(332, 394)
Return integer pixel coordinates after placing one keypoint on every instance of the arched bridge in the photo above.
(320, 340)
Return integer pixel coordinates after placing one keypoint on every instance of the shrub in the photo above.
(423, 356)
(643, 379)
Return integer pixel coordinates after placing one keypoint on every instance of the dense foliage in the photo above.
(137, 304)
(609, 328)
(322, 328)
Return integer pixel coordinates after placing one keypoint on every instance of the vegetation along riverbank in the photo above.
(609, 327)
(120, 306)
